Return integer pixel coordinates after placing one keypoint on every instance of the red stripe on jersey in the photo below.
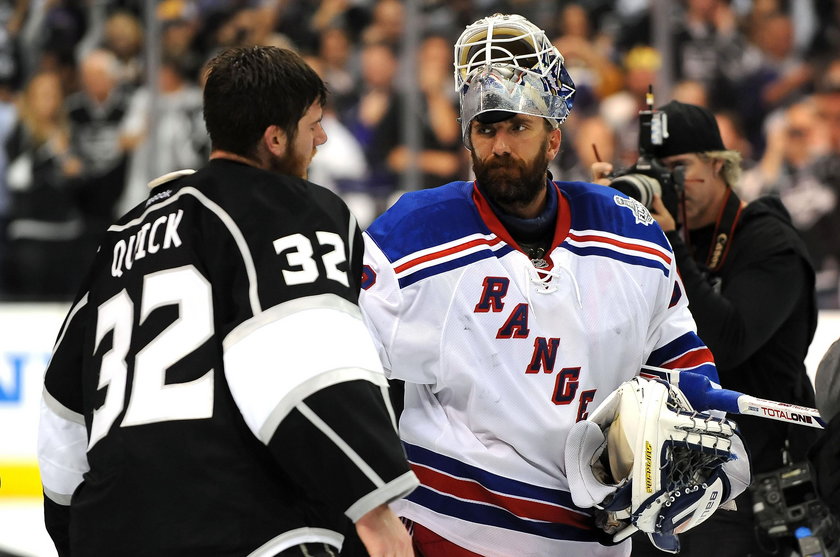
(523, 508)
(561, 227)
(445, 252)
(691, 359)
(619, 243)
(427, 543)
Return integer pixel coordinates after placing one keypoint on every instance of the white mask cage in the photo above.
(510, 48)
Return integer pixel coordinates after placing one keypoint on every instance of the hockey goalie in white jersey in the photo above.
(513, 307)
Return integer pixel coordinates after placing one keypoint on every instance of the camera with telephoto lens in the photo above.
(786, 499)
(649, 177)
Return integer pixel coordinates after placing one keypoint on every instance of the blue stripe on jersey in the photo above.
(593, 207)
(490, 480)
(623, 257)
(427, 218)
(453, 264)
(495, 516)
(690, 353)
(457, 489)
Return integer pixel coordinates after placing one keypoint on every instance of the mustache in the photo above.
(501, 162)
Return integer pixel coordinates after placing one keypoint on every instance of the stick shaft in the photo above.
(704, 396)
(791, 413)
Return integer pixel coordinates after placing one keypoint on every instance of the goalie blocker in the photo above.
(649, 462)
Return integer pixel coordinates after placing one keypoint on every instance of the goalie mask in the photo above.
(506, 64)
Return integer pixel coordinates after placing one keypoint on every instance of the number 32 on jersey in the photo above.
(151, 399)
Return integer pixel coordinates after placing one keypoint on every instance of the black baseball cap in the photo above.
(691, 129)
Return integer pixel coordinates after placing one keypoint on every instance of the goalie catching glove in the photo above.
(649, 462)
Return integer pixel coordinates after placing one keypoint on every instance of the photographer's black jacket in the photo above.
(757, 314)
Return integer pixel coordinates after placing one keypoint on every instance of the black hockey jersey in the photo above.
(213, 390)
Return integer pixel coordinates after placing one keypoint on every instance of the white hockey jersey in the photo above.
(501, 358)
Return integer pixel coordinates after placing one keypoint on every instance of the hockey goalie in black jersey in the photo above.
(213, 389)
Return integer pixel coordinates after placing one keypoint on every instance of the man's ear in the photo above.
(554, 140)
(274, 139)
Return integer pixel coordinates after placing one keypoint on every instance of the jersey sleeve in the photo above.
(62, 436)
(672, 337)
(399, 341)
(306, 377)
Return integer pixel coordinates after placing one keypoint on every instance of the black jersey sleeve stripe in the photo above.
(386, 397)
(280, 311)
(296, 537)
(341, 444)
(239, 239)
(384, 492)
(395, 489)
(304, 390)
(299, 347)
(62, 411)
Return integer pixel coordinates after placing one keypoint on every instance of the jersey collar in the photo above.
(561, 226)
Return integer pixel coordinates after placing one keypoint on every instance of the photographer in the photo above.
(750, 287)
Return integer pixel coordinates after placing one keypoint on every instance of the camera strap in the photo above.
(730, 214)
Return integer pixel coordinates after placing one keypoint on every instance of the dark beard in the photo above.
(292, 164)
(508, 182)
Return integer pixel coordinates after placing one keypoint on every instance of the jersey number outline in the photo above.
(299, 254)
(151, 399)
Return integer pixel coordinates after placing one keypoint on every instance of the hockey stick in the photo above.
(703, 396)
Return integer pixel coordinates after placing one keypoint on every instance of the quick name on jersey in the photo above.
(126, 252)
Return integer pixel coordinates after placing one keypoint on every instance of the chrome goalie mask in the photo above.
(506, 63)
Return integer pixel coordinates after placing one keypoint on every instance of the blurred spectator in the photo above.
(621, 110)
(732, 134)
(708, 48)
(228, 26)
(50, 33)
(712, 55)
(340, 164)
(386, 25)
(179, 27)
(691, 92)
(792, 146)
(350, 15)
(780, 78)
(594, 141)
(595, 76)
(180, 139)
(796, 167)
(825, 43)
(441, 157)
(123, 36)
(96, 113)
(335, 52)
(12, 15)
(44, 257)
(366, 121)
(826, 170)
(8, 119)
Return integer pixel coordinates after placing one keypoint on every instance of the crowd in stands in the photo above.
(79, 142)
